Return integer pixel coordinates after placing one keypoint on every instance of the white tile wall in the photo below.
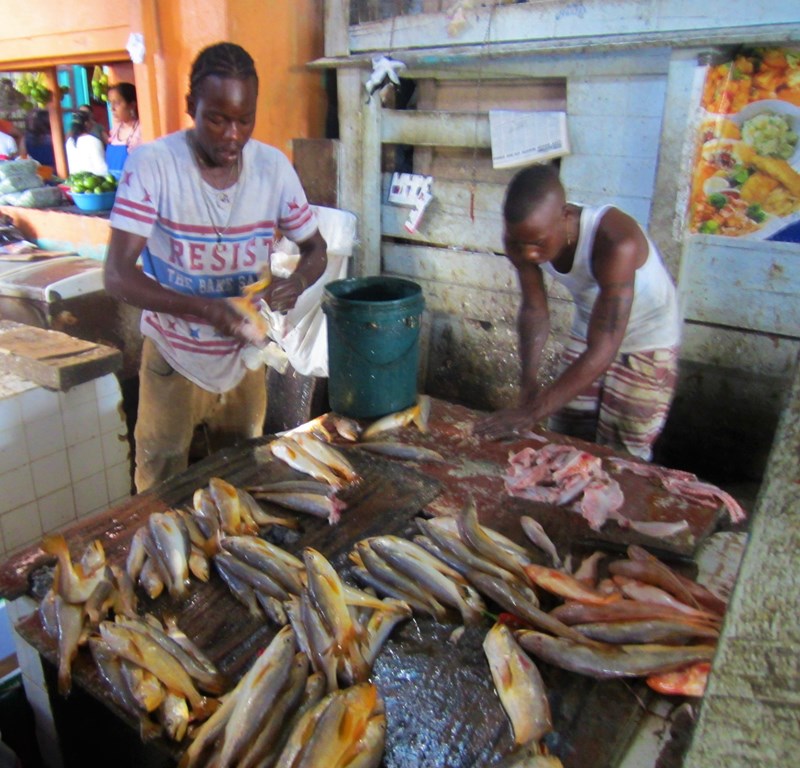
(63, 455)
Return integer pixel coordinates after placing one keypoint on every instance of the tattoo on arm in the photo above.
(612, 313)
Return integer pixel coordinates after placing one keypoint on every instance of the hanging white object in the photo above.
(135, 47)
(383, 68)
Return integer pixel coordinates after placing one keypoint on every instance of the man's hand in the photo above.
(510, 422)
(237, 317)
(283, 293)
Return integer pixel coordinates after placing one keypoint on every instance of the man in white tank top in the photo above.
(619, 367)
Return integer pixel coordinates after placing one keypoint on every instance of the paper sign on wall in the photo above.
(520, 138)
(411, 189)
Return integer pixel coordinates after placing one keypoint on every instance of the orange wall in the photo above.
(281, 35)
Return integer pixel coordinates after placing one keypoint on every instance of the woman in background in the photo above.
(125, 134)
(38, 138)
(85, 152)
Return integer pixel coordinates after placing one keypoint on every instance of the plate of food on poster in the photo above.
(746, 174)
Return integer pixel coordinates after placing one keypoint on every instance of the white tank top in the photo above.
(654, 321)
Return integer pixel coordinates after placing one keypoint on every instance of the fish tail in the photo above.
(55, 544)
(422, 413)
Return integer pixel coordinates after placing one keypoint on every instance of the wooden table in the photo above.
(441, 706)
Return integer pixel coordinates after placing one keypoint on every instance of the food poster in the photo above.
(746, 174)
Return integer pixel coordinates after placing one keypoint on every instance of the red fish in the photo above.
(689, 681)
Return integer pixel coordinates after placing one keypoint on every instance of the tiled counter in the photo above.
(63, 455)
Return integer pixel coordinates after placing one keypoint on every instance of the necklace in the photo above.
(223, 197)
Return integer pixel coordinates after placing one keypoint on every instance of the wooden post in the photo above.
(149, 74)
(56, 122)
(360, 135)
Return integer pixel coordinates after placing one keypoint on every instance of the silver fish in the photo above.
(71, 584)
(109, 666)
(252, 510)
(281, 565)
(255, 693)
(664, 631)
(319, 505)
(393, 582)
(462, 554)
(291, 453)
(534, 531)
(202, 672)
(276, 716)
(419, 414)
(173, 713)
(258, 580)
(611, 661)
(508, 595)
(291, 486)
(519, 685)
(172, 544)
(69, 624)
(473, 534)
(446, 586)
(328, 455)
(240, 589)
(320, 641)
(404, 451)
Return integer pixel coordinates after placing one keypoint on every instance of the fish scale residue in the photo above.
(437, 699)
(475, 468)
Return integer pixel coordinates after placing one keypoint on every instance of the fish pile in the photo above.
(153, 671)
(347, 729)
(406, 571)
(260, 575)
(339, 627)
(81, 596)
(311, 497)
(279, 715)
(644, 620)
(178, 542)
(684, 484)
(309, 449)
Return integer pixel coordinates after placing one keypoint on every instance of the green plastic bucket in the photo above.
(373, 344)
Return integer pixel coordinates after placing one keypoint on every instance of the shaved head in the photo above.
(529, 188)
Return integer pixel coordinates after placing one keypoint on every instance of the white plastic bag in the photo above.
(302, 332)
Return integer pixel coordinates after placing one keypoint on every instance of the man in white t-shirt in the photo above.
(202, 208)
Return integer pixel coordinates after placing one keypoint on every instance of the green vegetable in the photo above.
(718, 200)
(756, 213)
(709, 228)
(740, 175)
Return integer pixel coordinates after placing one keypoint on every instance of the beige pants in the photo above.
(171, 407)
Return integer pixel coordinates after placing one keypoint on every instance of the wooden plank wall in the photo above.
(628, 68)
(469, 334)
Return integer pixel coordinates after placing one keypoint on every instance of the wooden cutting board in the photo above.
(53, 359)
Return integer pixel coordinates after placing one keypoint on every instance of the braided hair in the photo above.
(528, 189)
(221, 60)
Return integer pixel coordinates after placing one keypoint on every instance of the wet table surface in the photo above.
(441, 706)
